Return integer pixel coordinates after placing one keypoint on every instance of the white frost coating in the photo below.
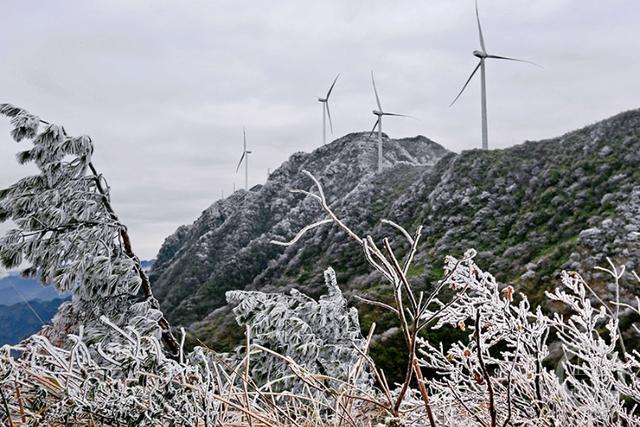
(301, 233)
(322, 336)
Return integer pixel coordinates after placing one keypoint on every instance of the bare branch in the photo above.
(377, 303)
(400, 229)
(301, 233)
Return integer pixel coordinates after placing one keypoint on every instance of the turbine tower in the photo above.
(325, 111)
(379, 113)
(483, 55)
(245, 157)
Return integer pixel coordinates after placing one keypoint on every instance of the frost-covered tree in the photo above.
(71, 238)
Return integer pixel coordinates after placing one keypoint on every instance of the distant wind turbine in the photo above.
(325, 111)
(245, 157)
(379, 113)
(482, 54)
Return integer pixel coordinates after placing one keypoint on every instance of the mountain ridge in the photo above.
(346, 164)
(19, 320)
(530, 210)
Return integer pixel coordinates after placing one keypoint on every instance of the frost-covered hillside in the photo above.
(530, 210)
(228, 246)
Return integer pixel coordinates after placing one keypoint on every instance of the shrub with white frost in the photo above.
(321, 336)
(110, 359)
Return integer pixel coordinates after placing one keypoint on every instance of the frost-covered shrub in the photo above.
(129, 381)
(499, 374)
(321, 336)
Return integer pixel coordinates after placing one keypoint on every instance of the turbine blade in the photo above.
(514, 59)
(484, 49)
(244, 153)
(331, 88)
(326, 105)
(244, 137)
(375, 90)
(374, 127)
(466, 83)
(397, 115)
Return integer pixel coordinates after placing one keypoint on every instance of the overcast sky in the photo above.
(164, 88)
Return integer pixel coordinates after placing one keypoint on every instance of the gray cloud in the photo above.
(164, 88)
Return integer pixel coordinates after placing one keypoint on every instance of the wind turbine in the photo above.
(245, 157)
(379, 113)
(325, 111)
(483, 55)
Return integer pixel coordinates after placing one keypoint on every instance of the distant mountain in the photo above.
(17, 317)
(147, 264)
(530, 210)
(19, 320)
(16, 289)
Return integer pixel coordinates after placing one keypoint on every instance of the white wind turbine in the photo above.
(245, 157)
(379, 113)
(483, 55)
(325, 111)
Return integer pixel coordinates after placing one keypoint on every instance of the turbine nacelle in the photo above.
(377, 113)
(480, 54)
(322, 99)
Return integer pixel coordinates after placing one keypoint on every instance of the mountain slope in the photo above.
(530, 210)
(567, 202)
(228, 246)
